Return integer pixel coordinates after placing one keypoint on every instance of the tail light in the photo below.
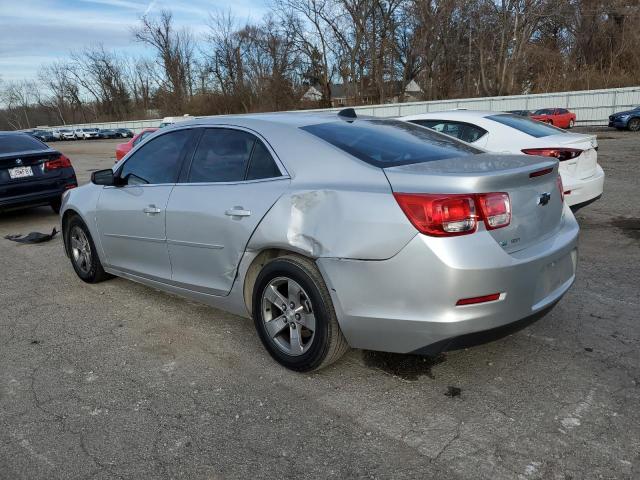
(561, 154)
(560, 187)
(495, 209)
(449, 215)
(57, 163)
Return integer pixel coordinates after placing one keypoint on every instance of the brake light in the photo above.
(561, 154)
(561, 187)
(495, 209)
(448, 215)
(56, 163)
(439, 215)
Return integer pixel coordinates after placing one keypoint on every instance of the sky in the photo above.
(33, 32)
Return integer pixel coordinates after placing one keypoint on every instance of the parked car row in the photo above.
(52, 135)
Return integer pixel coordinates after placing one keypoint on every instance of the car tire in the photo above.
(82, 252)
(634, 124)
(571, 124)
(306, 335)
(56, 204)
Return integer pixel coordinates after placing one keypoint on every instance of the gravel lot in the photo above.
(117, 380)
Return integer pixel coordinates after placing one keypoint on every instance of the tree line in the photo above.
(450, 48)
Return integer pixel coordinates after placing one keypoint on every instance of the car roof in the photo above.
(292, 119)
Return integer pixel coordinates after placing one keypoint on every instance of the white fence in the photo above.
(592, 107)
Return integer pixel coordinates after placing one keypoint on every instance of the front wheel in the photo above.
(634, 124)
(571, 123)
(83, 253)
(294, 315)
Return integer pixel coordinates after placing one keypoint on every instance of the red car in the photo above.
(123, 148)
(558, 117)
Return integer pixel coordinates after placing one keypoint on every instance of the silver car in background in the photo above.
(331, 231)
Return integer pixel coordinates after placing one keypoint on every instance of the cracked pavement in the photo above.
(119, 381)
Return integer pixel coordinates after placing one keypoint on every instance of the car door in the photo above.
(131, 216)
(232, 181)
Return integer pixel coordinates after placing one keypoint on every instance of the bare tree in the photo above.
(174, 50)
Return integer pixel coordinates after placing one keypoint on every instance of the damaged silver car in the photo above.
(331, 231)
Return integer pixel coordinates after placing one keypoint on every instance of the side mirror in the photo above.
(103, 177)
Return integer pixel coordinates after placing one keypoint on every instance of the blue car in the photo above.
(629, 120)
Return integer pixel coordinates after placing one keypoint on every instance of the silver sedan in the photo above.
(331, 231)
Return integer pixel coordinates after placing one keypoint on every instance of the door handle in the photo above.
(151, 210)
(237, 212)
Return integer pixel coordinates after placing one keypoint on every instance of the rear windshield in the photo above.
(388, 143)
(19, 143)
(526, 125)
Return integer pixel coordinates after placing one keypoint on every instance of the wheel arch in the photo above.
(253, 270)
(68, 214)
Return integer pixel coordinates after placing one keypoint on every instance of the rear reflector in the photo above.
(561, 154)
(540, 173)
(449, 215)
(474, 300)
(56, 163)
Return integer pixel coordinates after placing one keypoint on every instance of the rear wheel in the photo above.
(82, 251)
(634, 124)
(56, 204)
(294, 315)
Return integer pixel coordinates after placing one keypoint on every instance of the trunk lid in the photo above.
(584, 165)
(531, 220)
(34, 159)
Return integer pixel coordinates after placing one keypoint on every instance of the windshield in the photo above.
(526, 125)
(388, 143)
(19, 143)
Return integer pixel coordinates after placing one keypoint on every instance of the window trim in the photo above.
(469, 124)
(131, 154)
(183, 179)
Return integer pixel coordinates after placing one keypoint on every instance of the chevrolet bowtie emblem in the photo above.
(544, 198)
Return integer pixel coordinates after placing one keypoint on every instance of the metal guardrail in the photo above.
(592, 107)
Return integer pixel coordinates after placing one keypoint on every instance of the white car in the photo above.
(582, 177)
(66, 134)
(86, 133)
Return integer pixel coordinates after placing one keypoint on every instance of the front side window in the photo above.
(461, 130)
(389, 143)
(142, 136)
(526, 125)
(227, 155)
(158, 161)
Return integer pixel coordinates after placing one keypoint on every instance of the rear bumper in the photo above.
(408, 302)
(586, 190)
(37, 193)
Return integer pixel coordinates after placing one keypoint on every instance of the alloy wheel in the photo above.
(288, 316)
(80, 249)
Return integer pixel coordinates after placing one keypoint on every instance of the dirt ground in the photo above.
(119, 381)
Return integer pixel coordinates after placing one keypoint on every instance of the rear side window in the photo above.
(261, 164)
(20, 142)
(227, 155)
(464, 131)
(388, 143)
(526, 125)
(158, 161)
